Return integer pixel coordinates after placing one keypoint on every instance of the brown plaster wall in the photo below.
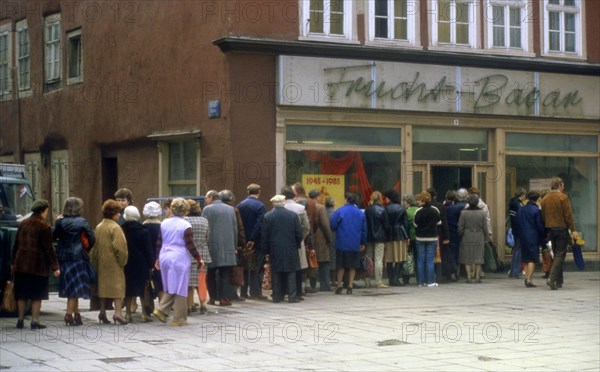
(592, 11)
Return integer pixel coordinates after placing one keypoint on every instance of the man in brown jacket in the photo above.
(558, 219)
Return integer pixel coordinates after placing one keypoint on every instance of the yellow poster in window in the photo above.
(328, 185)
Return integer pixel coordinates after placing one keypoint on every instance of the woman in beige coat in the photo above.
(109, 256)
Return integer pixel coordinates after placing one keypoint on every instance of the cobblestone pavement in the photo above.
(497, 325)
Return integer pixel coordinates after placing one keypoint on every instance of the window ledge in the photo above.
(76, 80)
(6, 97)
(456, 48)
(328, 39)
(509, 52)
(399, 44)
(25, 93)
(563, 56)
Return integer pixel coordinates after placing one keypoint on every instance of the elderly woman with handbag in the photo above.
(32, 262)
(74, 238)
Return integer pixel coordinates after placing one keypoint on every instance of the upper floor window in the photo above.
(562, 26)
(392, 20)
(454, 22)
(5, 61)
(53, 53)
(74, 57)
(327, 18)
(506, 24)
(23, 56)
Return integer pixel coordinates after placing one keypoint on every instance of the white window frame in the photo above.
(72, 35)
(472, 24)
(525, 6)
(578, 11)
(349, 14)
(412, 23)
(52, 50)
(24, 85)
(6, 62)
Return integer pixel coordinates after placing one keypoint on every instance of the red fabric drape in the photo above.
(331, 165)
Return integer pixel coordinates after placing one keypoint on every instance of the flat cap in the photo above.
(278, 199)
(39, 205)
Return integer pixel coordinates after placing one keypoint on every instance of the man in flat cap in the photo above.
(281, 237)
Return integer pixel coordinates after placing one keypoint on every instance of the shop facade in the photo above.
(364, 125)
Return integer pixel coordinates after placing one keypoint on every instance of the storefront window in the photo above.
(450, 144)
(551, 142)
(580, 175)
(337, 172)
(342, 135)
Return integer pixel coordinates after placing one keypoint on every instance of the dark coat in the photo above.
(531, 226)
(67, 233)
(33, 252)
(322, 236)
(281, 238)
(377, 223)
(398, 221)
(139, 257)
(252, 211)
(513, 209)
(453, 215)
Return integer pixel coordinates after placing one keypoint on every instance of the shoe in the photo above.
(239, 299)
(432, 285)
(558, 285)
(294, 301)
(529, 284)
(146, 318)
(20, 324)
(224, 302)
(339, 290)
(349, 290)
(478, 281)
(245, 296)
(36, 325)
(552, 285)
(258, 297)
(102, 319)
(276, 301)
(77, 319)
(469, 281)
(381, 285)
(181, 323)
(300, 298)
(310, 290)
(211, 302)
(203, 309)
(118, 319)
(69, 320)
(129, 318)
(159, 314)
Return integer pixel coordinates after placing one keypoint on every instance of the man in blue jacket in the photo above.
(252, 211)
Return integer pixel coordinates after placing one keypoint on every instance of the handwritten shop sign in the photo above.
(406, 86)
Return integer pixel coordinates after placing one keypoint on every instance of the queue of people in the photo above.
(181, 249)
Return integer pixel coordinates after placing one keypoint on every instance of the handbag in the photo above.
(236, 276)
(149, 295)
(9, 303)
(311, 256)
(409, 265)
(547, 260)
(510, 238)
(85, 241)
(578, 256)
(438, 254)
(266, 284)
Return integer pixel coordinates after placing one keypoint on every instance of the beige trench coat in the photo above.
(109, 257)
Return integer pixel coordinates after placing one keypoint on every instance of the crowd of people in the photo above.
(221, 251)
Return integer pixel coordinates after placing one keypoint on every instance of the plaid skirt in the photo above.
(74, 280)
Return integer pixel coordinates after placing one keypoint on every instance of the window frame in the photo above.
(349, 34)
(412, 23)
(71, 35)
(525, 6)
(22, 28)
(5, 31)
(472, 23)
(54, 46)
(576, 9)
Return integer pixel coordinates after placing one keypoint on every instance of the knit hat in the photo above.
(39, 205)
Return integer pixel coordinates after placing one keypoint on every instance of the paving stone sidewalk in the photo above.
(498, 325)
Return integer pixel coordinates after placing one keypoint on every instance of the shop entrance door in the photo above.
(450, 177)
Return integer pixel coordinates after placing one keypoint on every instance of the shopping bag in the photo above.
(409, 266)
(202, 289)
(236, 276)
(9, 303)
(266, 284)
